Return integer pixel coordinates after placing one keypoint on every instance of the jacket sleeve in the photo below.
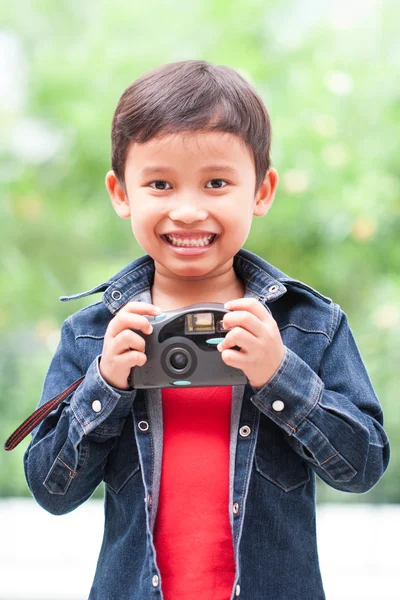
(65, 460)
(332, 418)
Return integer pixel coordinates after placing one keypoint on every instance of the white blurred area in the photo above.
(43, 557)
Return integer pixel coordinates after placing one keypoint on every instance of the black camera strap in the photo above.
(37, 417)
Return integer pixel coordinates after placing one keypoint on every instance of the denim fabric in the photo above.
(330, 425)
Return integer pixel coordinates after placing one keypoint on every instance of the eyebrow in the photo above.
(161, 169)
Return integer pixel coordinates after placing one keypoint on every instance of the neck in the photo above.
(169, 292)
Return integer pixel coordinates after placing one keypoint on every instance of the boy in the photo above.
(210, 492)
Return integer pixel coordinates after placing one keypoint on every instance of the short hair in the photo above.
(190, 95)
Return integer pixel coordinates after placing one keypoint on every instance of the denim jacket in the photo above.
(318, 415)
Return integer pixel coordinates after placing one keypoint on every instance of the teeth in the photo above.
(186, 242)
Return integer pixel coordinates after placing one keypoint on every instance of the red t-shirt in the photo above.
(193, 536)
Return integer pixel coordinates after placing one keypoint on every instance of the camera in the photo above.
(182, 350)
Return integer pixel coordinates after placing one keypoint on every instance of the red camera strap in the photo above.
(37, 417)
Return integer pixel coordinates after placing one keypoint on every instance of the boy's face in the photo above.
(192, 185)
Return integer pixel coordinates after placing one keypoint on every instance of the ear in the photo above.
(266, 193)
(118, 196)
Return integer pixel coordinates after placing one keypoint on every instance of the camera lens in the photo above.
(179, 360)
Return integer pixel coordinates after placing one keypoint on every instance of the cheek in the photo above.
(237, 222)
(144, 220)
(237, 216)
(144, 212)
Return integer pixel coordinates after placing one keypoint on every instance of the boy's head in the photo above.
(190, 96)
(191, 166)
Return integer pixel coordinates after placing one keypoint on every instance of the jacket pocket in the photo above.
(123, 460)
(276, 461)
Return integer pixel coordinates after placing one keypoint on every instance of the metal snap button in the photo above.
(278, 405)
(237, 591)
(273, 289)
(96, 406)
(116, 295)
(143, 425)
(245, 431)
(154, 580)
(235, 508)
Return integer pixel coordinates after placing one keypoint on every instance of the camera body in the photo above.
(182, 350)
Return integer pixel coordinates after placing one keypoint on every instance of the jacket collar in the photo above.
(135, 280)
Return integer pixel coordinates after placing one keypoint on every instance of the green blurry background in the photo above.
(329, 75)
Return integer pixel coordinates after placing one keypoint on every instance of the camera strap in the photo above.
(37, 417)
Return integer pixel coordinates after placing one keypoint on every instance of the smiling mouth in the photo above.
(181, 242)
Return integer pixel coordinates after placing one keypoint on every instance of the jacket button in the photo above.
(235, 508)
(116, 295)
(278, 405)
(96, 406)
(237, 591)
(273, 289)
(154, 580)
(245, 431)
(143, 425)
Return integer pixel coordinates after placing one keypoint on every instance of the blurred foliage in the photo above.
(328, 73)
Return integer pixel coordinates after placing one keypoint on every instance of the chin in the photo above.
(189, 271)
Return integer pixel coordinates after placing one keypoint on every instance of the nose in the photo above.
(188, 212)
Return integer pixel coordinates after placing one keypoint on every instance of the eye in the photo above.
(159, 184)
(216, 184)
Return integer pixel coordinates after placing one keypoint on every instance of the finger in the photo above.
(127, 320)
(235, 359)
(244, 319)
(132, 358)
(128, 340)
(237, 337)
(141, 308)
(250, 304)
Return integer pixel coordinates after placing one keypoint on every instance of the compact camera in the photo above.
(182, 350)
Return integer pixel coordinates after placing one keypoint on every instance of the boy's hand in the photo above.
(123, 348)
(256, 332)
